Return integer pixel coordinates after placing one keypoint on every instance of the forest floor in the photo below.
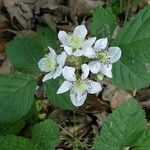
(21, 17)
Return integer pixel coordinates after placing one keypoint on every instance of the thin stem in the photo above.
(68, 133)
(127, 12)
(74, 121)
(121, 3)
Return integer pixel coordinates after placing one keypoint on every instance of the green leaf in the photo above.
(24, 53)
(132, 71)
(12, 142)
(119, 6)
(46, 135)
(58, 100)
(46, 37)
(13, 128)
(103, 22)
(16, 96)
(143, 143)
(122, 127)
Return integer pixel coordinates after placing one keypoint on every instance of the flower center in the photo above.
(103, 57)
(50, 64)
(75, 41)
(81, 86)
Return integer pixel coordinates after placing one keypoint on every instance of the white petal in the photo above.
(114, 54)
(64, 87)
(69, 73)
(80, 31)
(78, 53)
(106, 70)
(62, 58)
(48, 76)
(94, 87)
(94, 66)
(68, 50)
(85, 71)
(101, 44)
(57, 72)
(89, 42)
(42, 66)
(89, 52)
(52, 53)
(63, 37)
(78, 99)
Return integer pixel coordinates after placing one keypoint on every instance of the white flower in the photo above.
(53, 64)
(103, 57)
(79, 88)
(74, 43)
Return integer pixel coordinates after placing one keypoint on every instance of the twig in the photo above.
(127, 12)
(9, 30)
(72, 136)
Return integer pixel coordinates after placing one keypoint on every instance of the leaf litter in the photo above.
(21, 17)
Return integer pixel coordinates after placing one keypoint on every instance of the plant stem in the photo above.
(68, 133)
(74, 121)
(127, 12)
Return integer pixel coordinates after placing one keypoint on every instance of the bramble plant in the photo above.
(71, 62)
(73, 65)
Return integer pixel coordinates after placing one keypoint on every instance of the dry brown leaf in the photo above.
(1, 4)
(50, 12)
(20, 13)
(114, 95)
(143, 94)
(67, 28)
(6, 67)
(148, 124)
(59, 116)
(119, 97)
(82, 7)
(26, 33)
(146, 103)
(95, 105)
(3, 22)
(2, 45)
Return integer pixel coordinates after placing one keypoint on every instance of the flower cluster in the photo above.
(81, 56)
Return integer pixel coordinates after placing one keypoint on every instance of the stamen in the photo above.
(75, 41)
(103, 57)
(81, 86)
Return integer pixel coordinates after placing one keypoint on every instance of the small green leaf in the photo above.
(46, 135)
(122, 127)
(143, 143)
(131, 71)
(103, 23)
(46, 37)
(24, 53)
(12, 142)
(16, 96)
(59, 100)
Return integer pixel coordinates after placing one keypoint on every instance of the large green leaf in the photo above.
(12, 128)
(46, 37)
(143, 143)
(12, 142)
(132, 71)
(16, 96)
(24, 53)
(122, 127)
(119, 6)
(103, 22)
(46, 135)
(59, 100)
